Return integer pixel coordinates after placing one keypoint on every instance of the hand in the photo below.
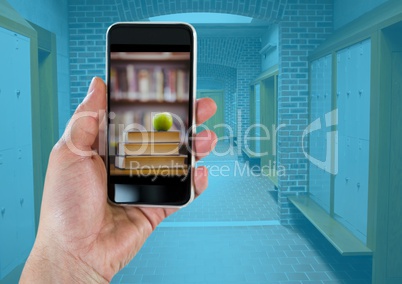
(81, 237)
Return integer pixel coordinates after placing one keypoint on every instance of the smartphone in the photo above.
(151, 83)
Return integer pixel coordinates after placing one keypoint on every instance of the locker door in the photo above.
(363, 105)
(350, 82)
(8, 223)
(354, 202)
(21, 67)
(7, 93)
(341, 91)
(351, 184)
(343, 187)
(328, 83)
(360, 216)
(341, 181)
(8, 213)
(320, 102)
(24, 196)
(24, 186)
(16, 169)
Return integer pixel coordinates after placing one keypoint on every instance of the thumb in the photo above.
(83, 128)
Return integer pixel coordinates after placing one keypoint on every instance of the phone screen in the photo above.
(150, 108)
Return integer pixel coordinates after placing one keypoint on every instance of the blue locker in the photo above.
(23, 117)
(8, 213)
(320, 104)
(24, 196)
(343, 203)
(351, 184)
(16, 162)
(363, 105)
(361, 188)
(341, 91)
(7, 92)
(350, 88)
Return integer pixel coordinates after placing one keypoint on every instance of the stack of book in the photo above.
(151, 152)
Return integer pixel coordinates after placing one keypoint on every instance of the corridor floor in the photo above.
(231, 234)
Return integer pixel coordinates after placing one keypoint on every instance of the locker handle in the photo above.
(21, 201)
(3, 211)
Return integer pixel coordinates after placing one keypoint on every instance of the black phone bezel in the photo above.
(165, 190)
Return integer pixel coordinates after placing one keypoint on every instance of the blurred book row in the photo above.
(150, 83)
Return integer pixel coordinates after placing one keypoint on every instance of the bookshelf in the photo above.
(158, 76)
(148, 102)
(145, 83)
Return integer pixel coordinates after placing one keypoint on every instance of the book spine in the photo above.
(159, 84)
(114, 86)
(143, 84)
(156, 162)
(152, 137)
(123, 83)
(132, 82)
(180, 85)
(172, 84)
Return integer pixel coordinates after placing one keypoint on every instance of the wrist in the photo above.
(47, 265)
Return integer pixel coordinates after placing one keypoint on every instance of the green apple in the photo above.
(162, 121)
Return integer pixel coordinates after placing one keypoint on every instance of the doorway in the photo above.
(387, 195)
(47, 73)
(30, 113)
(263, 111)
(395, 210)
(216, 123)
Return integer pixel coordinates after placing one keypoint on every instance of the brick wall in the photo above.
(306, 24)
(141, 9)
(239, 55)
(89, 20)
(248, 69)
(220, 77)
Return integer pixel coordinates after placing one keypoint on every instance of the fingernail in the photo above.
(92, 85)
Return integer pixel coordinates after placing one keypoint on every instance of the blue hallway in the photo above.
(231, 234)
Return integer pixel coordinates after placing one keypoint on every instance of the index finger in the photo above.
(205, 109)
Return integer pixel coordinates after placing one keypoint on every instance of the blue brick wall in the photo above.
(306, 24)
(89, 20)
(271, 10)
(248, 69)
(270, 37)
(238, 61)
(214, 76)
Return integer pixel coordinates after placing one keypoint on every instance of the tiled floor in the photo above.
(231, 235)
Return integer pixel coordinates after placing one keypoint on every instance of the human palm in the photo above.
(77, 225)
